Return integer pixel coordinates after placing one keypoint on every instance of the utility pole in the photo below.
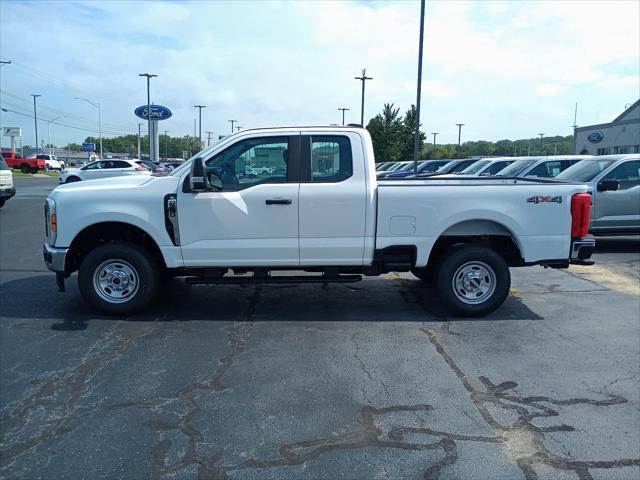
(149, 77)
(96, 105)
(2, 64)
(363, 79)
(541, 134)
(166, 144)
(209, 138)
(575, 125)
(238, 128)
(139, 145)
(200, 107)
(343, 110)
(416, 141)
(232, 122)
(35, 118)
(460, 125)
(434, 139)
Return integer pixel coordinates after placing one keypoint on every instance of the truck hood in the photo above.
(104, 184)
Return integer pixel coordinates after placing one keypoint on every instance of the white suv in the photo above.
(103, 169)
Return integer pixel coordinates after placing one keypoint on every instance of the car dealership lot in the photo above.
(364, 380)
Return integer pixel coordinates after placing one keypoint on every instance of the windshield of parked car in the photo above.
(517, 167)
(476, 167)
(585, 170)
(445, 168)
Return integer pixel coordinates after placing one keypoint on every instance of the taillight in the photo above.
(580, 215)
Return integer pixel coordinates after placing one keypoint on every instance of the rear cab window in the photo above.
(331, 159)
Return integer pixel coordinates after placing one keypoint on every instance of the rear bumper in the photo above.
(55, 258)
(581, 251)
(7, 192)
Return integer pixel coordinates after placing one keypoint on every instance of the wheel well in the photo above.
(99, 233)
(504, 245)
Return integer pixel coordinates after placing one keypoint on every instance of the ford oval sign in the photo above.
(595, 137)
(158, 112)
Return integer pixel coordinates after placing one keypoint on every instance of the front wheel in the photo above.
(473, 280)
(119, 278)
(72, 179)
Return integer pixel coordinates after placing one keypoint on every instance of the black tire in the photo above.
(472, 280)
(34, 170)
(25, 168)
(127, 257)
(72, 179)
(424, 273)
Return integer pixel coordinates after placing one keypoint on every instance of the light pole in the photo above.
(96, 105)
(363, 79)
(166, 143)
(434, 139)
(49, 131)
(541, 135)
(208, 137)
(149, 77)
(35, 118)
(200, 107)
(343, 110)
(2, 64)
(232, 122)
(460, 125)
(139, 145)
(416, 140)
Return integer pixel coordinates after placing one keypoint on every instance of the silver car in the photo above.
(614, 185)
(543, 167)
(103, 169)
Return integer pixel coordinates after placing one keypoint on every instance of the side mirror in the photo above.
(198, 181)
(608, 185)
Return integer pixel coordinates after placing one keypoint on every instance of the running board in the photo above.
(237, 280)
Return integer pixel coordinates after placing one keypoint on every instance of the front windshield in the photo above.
(585, 170)
(409, 166)
(475, 167)
(445, 168)
(517, 167)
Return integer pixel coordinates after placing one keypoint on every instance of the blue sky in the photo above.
(505, 69)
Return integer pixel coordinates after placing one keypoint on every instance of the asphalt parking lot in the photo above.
(356, 381)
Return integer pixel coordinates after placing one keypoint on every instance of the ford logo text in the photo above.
(158, 112)
(595, 137)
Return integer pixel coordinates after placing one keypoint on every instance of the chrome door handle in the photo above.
(278, 201)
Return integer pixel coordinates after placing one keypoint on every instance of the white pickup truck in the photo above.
(321, 211)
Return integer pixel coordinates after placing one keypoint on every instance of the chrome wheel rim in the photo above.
(116, 281)
(474, 282)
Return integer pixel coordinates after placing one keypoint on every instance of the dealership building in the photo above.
(620, 136)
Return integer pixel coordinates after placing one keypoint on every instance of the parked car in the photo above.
(456, 166)
(488, 166)
(614, 184)
(396, 167)
(541, 167)
(262, 170)
(156, 169)
(26, 165)
(426, 166)
(51, 161)
(382, 166)
(123, 234)
(6, 182)
(103, 169)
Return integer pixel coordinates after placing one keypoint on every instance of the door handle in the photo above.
(278, 201)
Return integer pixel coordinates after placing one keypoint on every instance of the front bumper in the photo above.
(7, 192)
(581, 251)
(55, 258)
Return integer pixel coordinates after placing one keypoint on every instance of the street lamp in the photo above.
(96, 105)
(460, 125)
(2, 64)
(363, 79)
(149, 77)
(343, 110)
(49, 131)
(35, 118)
(200, 107)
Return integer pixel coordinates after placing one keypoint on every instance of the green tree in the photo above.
(407, 139)
(386, 130)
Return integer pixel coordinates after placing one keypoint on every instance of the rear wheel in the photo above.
(472, 280)
(25, 168)
(119, 278)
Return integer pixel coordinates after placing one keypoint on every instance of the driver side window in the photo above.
(250, 162)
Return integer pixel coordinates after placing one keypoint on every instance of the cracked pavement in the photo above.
(363, 381)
